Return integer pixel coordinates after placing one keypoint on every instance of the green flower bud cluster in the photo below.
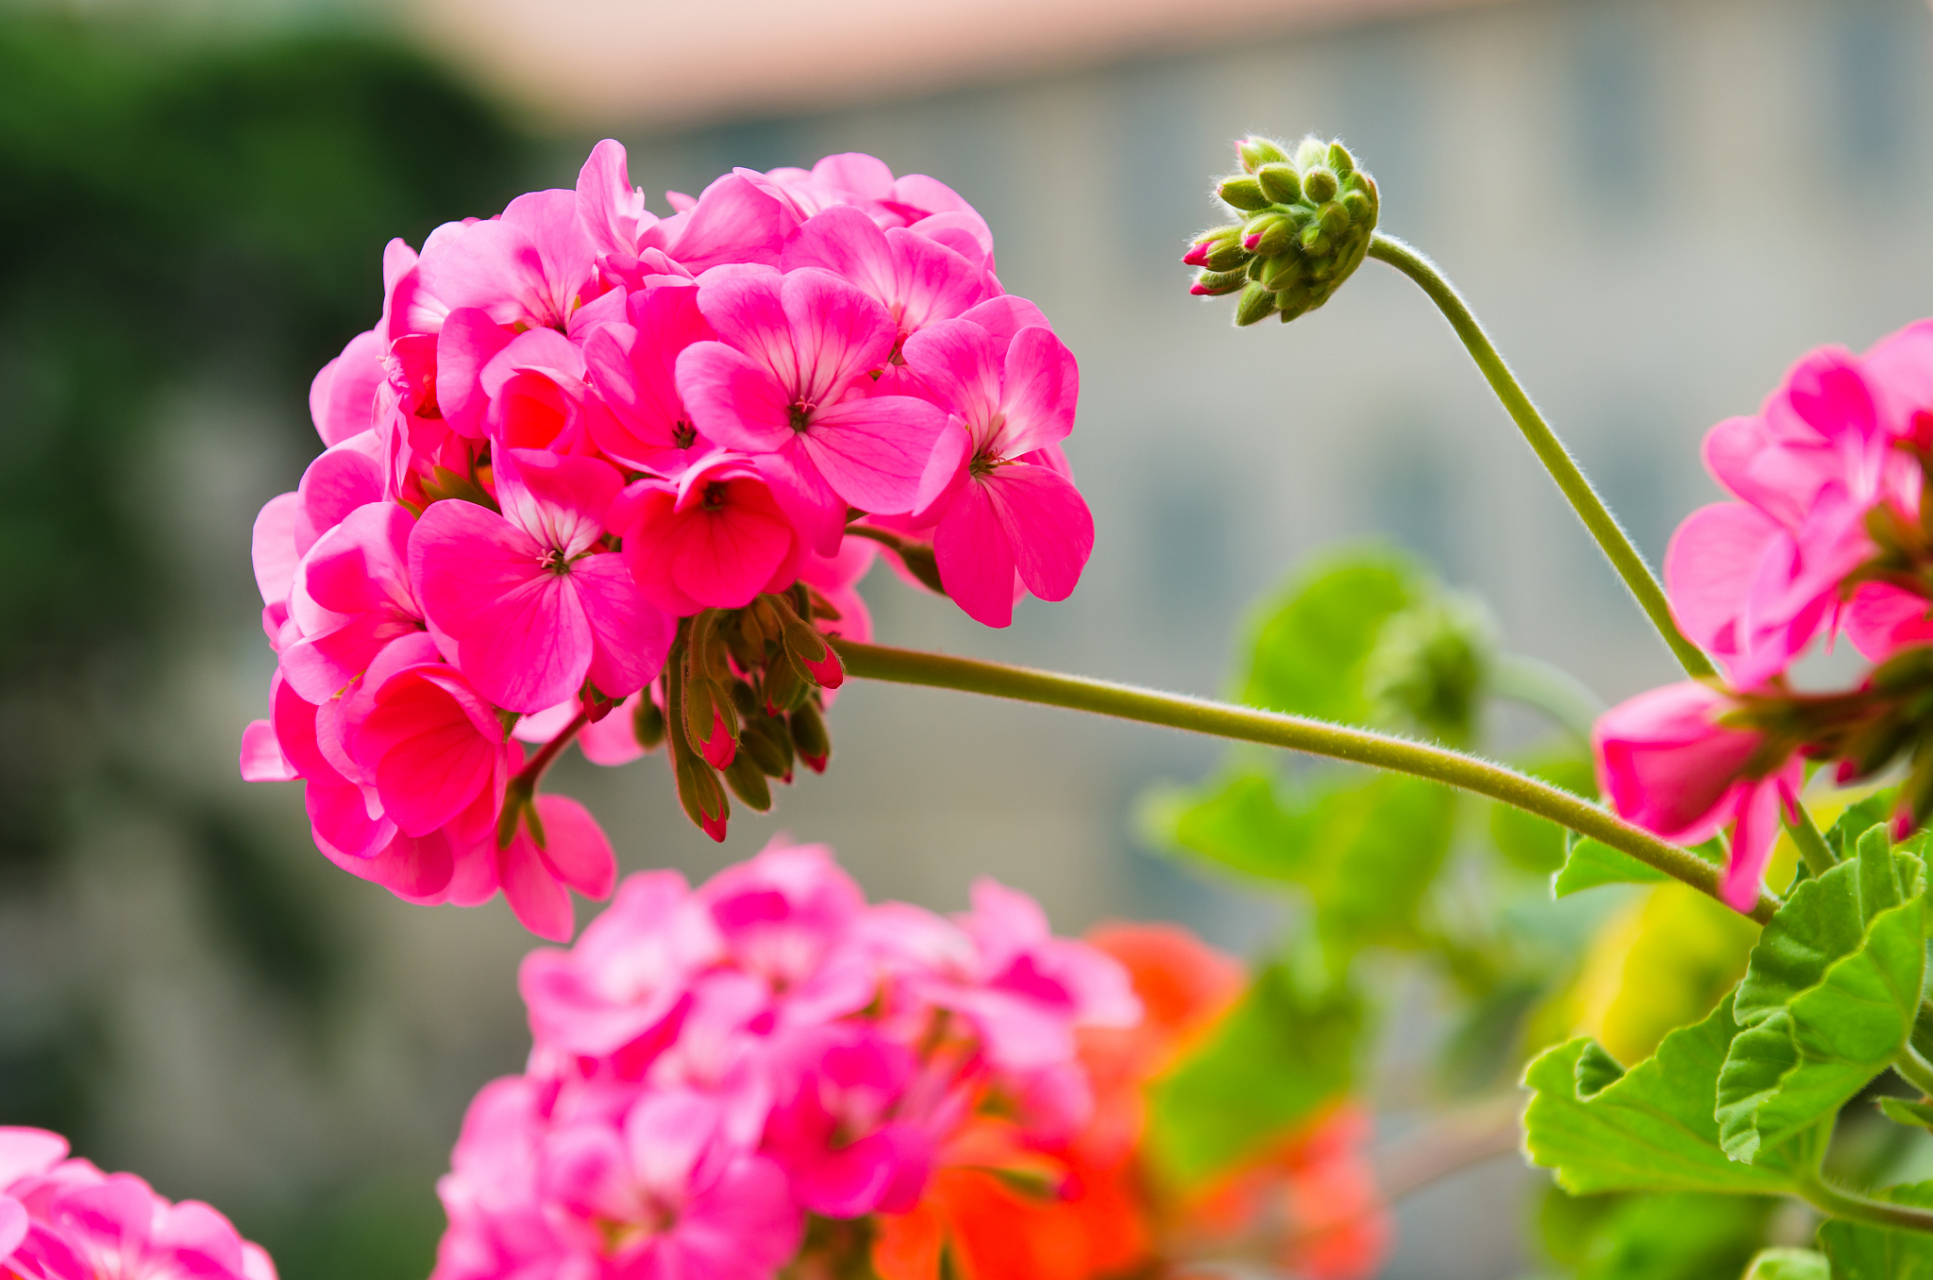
(1306, 224)
(1432, 663)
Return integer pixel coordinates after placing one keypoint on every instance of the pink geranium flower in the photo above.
(917, 280)
(1668, 765)
(713, 539)
(788, 382)
(528, 598)
(839, 1127)
(668, 1197)
(349, 597)
(634, 368)
(435, 752)
(537, 879)
(1005, 512)
(787, 916)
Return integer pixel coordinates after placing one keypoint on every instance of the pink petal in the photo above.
(13, 1226)
(610, 211)
(857, 173)
(1883, 619)
(262, 761)
(273, 547)
(1756, 833)
(25, 1151)
(732, 222)
(802, 493)
(575, 847)
(492, 265)
(630, 638)
(1712, 559)
(524, 638)
(1042, 384)
(734, 399)
(416, 869)
(430, 741)
(873, 452)
(1666, 764)
(960, 365)
(1048, 526)
(976, 560)
(651, 546)
(469, 341)
(536, 898)
(838, 333)
(335, 484)
(1005, 316)
(559, 501)
(342, 398)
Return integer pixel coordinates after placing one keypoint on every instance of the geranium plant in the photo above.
(604, 477)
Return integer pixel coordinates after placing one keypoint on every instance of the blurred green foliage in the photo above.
(175, 217)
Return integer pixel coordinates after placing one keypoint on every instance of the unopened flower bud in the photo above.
(1243, 193)
(814, 656)
(647, 723)
(1431, 663)
(701, 797)
(809, 737)
(1280, 182)
(784, 687)
(767, 743)
(1208, 242)
(1258, 303)
(748, 783)
(1212, 284)
(1254, 152)
(1313, 219)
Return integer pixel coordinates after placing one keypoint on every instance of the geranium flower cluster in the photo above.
(770, 1073)
(1829, 534)
(64, 1219)
(598, 471)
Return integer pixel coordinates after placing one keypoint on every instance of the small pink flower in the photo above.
(788, 382)
(530, 605)
(668, 1197)
(633, 365)
(917, 280)
(713, 539)
(1667, 765)
(436, 752)
(1004, 512)
(537, 880)
(350, 596)
(838, 1128)
(342, 399)
(787, 916)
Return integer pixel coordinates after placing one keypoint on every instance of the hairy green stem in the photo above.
(1915, 1070)
(532, 773)
(1813, 848)
(1856, 1208)
(1297, 733)
(1611, 537)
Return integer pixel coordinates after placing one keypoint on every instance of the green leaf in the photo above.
(1239, 824)
(1648, 1129)
(1860, 1252)
(1283, 1052)
(1536, 844)
(1367, 853)
(1874, 811)
(1309, 650)
(1911, 1114)
(1674, 1237)
(1590, 863)
(1828, 998)
(1789, 1264)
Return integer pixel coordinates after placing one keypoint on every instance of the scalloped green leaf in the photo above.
(1860, 1252)
(1589, 863)
(1650, 1128)
(1828, 998)
(1309, 647)
(1789, 1264)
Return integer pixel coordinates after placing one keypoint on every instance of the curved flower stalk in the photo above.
(770, 1074)
(592, 473)
(64, 1219)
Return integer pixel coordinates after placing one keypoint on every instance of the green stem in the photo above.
(1812, 846)
(1611, 537)
(1550, 689)
(1855, 1208)
(532, 773)
(1915, 1070)
(1297, 733)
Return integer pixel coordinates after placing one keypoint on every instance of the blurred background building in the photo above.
(1656, 205)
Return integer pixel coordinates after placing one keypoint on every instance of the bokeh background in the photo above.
(1655, 205)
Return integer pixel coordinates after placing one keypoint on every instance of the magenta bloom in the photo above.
(787, 382)
(1009, 510)
(1667, 765)
(530, 606)
(668, 1196)
(841, 1127)
(349, 597)
(787, 916)
(537, 879)
(634, 368)
(714, 539)
(917, 280)
(435, 751)
(1757, 580)
(66, 1220)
